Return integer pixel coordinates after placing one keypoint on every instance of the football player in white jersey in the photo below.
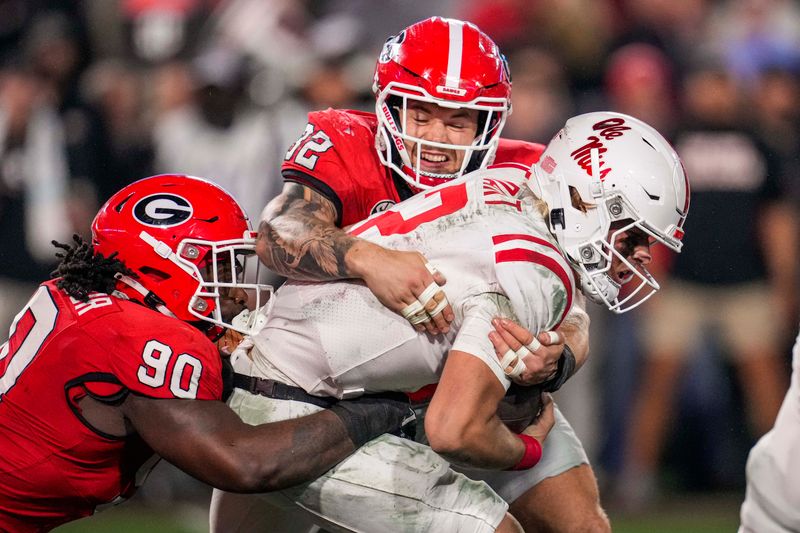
(772, 502)
(513, 242)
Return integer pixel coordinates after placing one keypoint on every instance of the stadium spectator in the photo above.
(116, 91)
(219, 132)
(34, 183)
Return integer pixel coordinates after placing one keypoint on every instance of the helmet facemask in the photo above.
(595, 260)
(393, 139)
(216, 268)
(227, 266)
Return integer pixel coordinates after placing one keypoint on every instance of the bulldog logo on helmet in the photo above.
(162, 210)
(391, 47)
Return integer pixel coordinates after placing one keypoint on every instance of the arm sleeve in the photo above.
(473, 336)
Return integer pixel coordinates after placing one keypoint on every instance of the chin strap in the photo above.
(149, 298)
(600, 288)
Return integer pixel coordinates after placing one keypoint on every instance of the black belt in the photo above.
(280, 391)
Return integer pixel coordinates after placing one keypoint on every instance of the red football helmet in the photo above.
(450, 63)
(187, 241)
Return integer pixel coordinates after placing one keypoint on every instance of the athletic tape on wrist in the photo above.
(532, 455)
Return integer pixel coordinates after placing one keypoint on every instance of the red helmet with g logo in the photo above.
(450, 63)
(187, 241)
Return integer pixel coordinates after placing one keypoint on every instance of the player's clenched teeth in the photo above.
(434, 158)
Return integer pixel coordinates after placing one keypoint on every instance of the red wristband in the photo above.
(533, 452)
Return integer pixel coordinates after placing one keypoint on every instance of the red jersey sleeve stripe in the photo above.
(498, 239)
(512, 164)
(520, 254)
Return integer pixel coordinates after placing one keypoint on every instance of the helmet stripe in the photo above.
(455, 53)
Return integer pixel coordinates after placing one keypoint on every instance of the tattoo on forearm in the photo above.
(299, 239)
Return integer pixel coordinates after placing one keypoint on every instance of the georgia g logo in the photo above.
(381, 206)
(162, 210)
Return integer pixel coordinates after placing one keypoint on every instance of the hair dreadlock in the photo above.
(82, 270)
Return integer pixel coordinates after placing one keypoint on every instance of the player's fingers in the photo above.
(431, 326)
(422, 318)
(422, 322)
(439, 305)
(412, 310)
(520, 334)
(516, 370)
(549, 338)
(438, 277)
(434, 301)
(427, 297)
(440, 322)
(435, 307)
(500, 345)
(512, 364)
(509, 339)
(419, 318)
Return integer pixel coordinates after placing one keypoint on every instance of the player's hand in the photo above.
(528, 360)
(544, 423)
(372, 415)
(408, 285)
(229, 341)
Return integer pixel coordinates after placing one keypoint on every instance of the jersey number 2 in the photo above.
(308, 147)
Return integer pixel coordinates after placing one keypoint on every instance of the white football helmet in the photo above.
(626, 174)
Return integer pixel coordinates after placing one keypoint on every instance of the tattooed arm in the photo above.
(298, 238)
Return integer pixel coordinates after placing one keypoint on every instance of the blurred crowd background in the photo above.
(97, 93)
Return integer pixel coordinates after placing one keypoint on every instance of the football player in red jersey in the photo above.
(443, 92)
(112, 362)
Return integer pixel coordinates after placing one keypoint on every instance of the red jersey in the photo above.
(336, 157)
(54, 467)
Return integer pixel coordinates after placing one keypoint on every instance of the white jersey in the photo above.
(772, 501)
(484, 232)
